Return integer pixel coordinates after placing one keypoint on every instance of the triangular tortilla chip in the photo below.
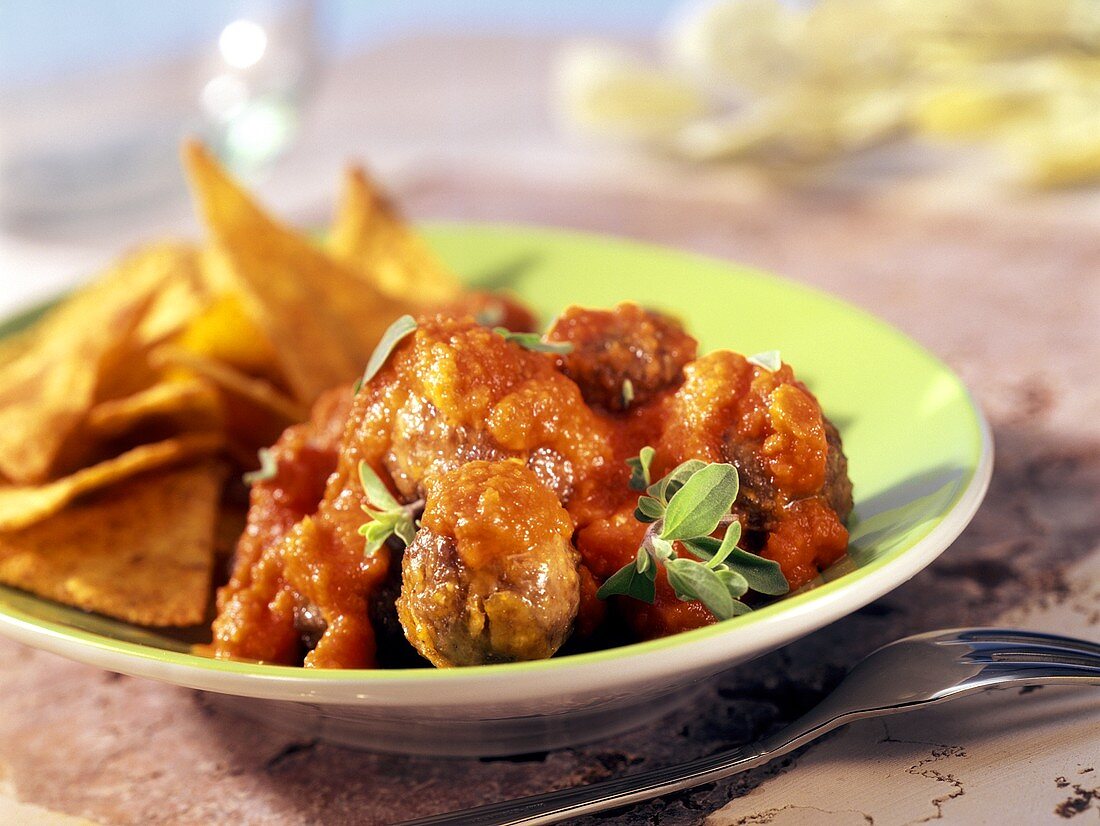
(224, 333)
(191, 405)
(371, 237)
(259, 391)
(81, 351)
(322, 319)
(23, 505)
(121, 555)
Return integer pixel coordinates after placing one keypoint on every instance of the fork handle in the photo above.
(554, 807)
(571, 802)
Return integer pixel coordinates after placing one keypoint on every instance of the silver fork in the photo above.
(910, 673)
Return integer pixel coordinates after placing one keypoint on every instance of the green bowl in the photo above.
(920, 457)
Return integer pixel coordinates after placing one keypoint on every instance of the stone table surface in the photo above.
(1004, 287)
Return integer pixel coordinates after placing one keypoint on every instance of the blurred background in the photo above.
(951, 102)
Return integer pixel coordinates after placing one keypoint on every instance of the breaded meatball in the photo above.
(627, 344)
(492, 575)
(760, 505)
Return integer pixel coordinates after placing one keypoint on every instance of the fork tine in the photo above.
(983, 652)
(1040, 671)
(1012, 636)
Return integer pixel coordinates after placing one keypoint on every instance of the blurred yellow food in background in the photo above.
(765, 81)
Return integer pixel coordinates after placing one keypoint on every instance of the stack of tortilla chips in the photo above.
(126, 410)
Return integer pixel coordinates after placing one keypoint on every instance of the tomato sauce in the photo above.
(454, 392)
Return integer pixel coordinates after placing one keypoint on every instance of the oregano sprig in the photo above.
(687, 505)
(393, 336)
(768, 360)
(268, 469)
(534, 342)
(388, 517)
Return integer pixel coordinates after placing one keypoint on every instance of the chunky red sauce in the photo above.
(455, 393)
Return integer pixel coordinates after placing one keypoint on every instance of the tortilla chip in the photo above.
(189, 405)
(23, 505)
(370, 236)
(181, 295)
(118, 554)
(322, 319)
(228, 378)
(223, 332)
(46, 392)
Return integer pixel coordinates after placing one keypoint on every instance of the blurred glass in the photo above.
(95, 97)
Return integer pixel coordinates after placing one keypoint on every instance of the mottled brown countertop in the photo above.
(1004, 287)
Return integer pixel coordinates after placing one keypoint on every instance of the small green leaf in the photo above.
(768, 360)
(534, 342)
(662, 548)
(378, 494)
(698, 507)
(629, 583)
(643, 562)
(763, 575)
(491, 315)
(405, 530)
(390, 339)
(650, 509)
(734, 582)
(628, 392)
(376, 532)
(268, 469)
(665, 488)
(355, 388)
(639, 468)
(739, 608)
(693, 580)
(701, 547)
(729, 544)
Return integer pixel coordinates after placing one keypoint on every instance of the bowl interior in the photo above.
(913, 437)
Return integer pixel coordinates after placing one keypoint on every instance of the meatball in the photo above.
(794, 484)
(491, 575)
(628, 344)
(760, 505)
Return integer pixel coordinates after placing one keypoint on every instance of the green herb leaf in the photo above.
(639, 468)
(650, 509)
(490, 315)
(728, 546)
(662, 548)
(534, 342)
(665, 488)
(698, 507)
(376, 532)
(628, 582)
(268, 469)
(405, 530)
(692, 580)
(390, 339)
(768, 360)
(701, 547)
(734, 582)
(388, 517)
(643, 561)
(739, 608)
(378, 494)
(628, 392)
(763, 575)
